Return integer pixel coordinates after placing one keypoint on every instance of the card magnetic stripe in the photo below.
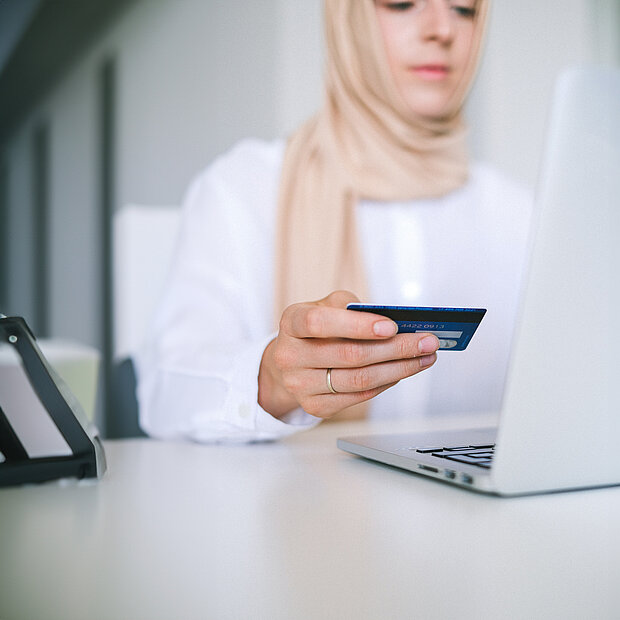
(456, 315)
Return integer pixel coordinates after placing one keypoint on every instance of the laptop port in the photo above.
(450, 474)
(467, 479)
(428, 468)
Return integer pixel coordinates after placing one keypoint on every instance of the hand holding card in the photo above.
(326, 358)
(454, 327)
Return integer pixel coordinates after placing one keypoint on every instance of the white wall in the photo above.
(529, 42)
(299, 65)
(194, 76)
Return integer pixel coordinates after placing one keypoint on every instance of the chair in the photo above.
(143, 243)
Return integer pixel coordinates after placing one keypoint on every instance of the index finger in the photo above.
(316, 321)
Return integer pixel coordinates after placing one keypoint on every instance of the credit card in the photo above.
(454, 327)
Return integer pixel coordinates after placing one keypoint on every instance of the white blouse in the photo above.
(197, 375)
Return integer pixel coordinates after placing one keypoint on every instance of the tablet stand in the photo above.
(87, 458)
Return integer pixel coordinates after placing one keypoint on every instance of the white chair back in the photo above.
(144, 240)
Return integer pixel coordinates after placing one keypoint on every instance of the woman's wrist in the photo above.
(272, 396)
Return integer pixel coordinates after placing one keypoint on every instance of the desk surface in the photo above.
(299, 529)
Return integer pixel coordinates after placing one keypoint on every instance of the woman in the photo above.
(375, 196)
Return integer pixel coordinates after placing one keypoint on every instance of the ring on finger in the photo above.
(328, 378)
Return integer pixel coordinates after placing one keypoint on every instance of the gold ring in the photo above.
(330, 387)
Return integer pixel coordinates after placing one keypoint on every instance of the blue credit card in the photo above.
(454, 327)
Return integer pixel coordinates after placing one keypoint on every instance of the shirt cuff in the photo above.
(242, 400)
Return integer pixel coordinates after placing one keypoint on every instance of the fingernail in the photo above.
(427, 360)
(384, 328)
(428, 344)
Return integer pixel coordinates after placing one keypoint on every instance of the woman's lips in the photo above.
(431, 72)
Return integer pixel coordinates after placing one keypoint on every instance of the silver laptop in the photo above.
(559, 426)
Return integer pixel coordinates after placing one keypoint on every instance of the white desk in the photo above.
(298, 529)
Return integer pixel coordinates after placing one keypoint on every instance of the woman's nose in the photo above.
(437, 21)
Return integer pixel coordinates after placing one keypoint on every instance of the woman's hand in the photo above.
(365, 354)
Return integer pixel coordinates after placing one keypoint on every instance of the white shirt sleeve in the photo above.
(198, 373)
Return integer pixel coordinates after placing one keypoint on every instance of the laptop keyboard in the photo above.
(481, 456)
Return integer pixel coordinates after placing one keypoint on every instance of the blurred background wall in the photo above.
(109, 102)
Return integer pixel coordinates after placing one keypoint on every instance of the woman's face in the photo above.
(428, 45)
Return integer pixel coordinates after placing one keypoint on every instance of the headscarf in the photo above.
(363, 144)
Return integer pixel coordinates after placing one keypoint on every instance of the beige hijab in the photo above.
(363, 144)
